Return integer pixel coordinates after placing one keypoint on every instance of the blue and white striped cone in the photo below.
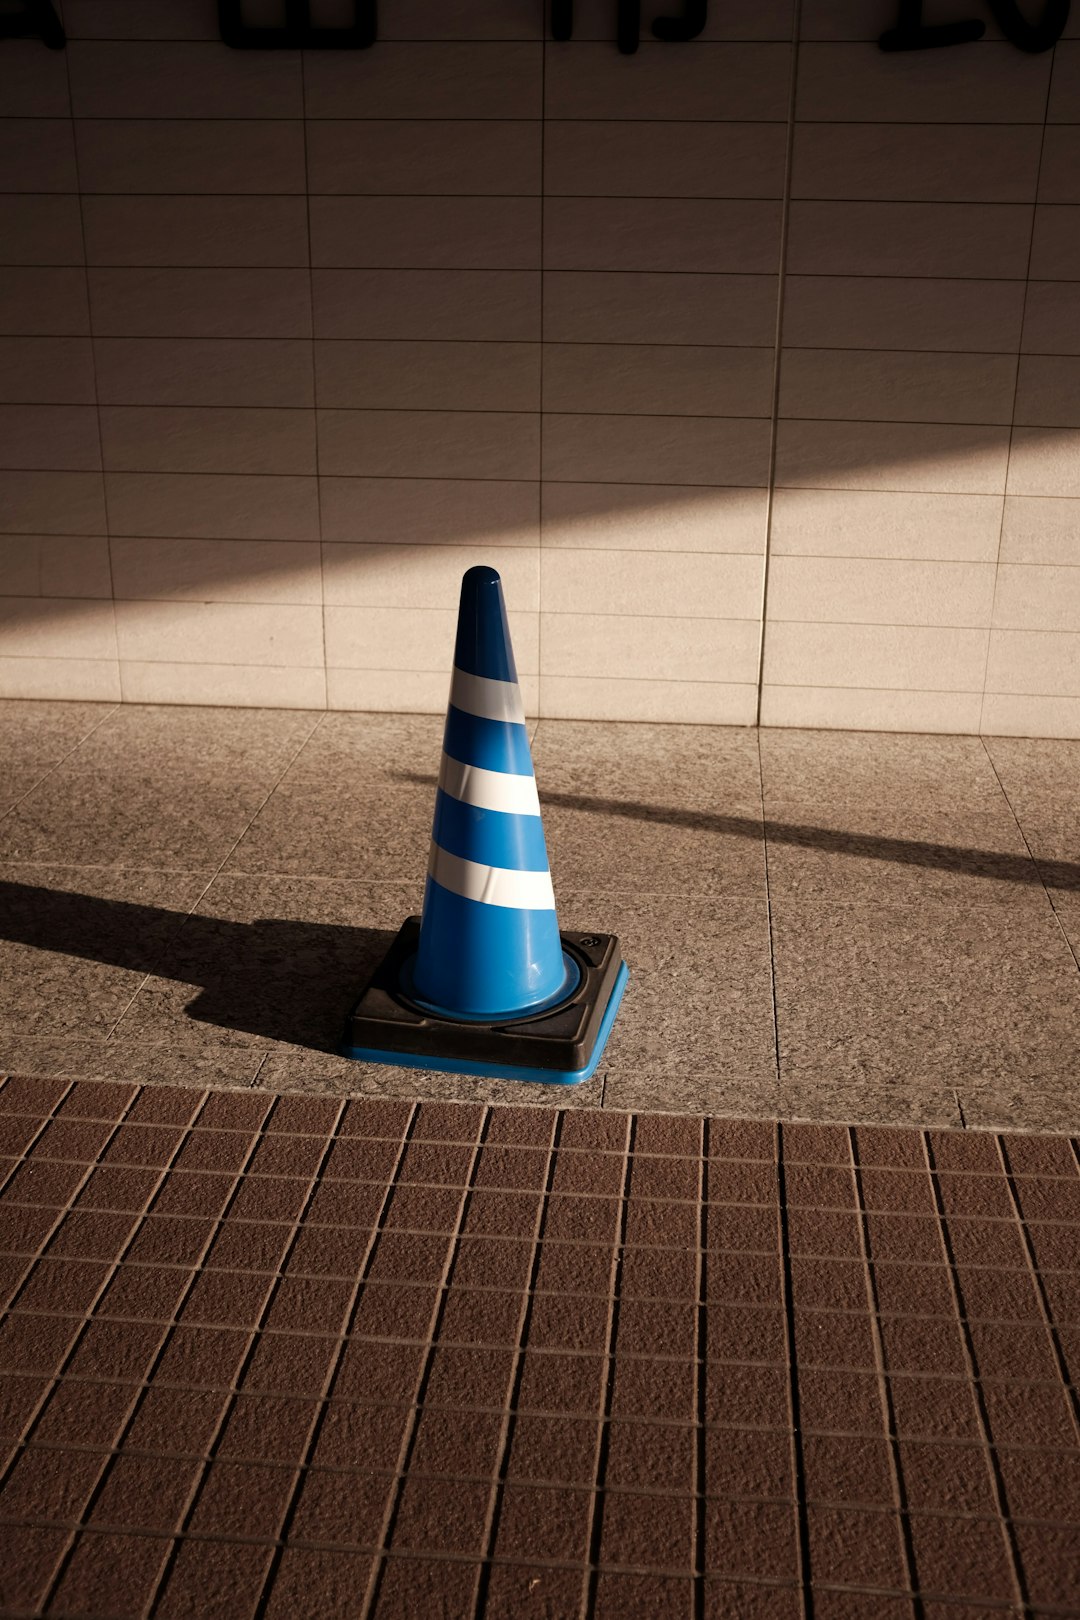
(489, 938)
(483, 983)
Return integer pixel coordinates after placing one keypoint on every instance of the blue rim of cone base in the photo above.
(505, 1071)
(563, 993)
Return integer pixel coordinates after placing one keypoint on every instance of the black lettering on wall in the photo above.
(1040, 36)
(37, 20)
(688, 26)
(628, 22)
(298, 32)
(912, 34)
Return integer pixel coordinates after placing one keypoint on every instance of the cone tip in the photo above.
(481, 575)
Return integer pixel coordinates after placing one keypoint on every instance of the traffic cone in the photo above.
(484, 982)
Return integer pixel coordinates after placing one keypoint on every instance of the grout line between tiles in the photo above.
(408, 1442)
(1008, 1533)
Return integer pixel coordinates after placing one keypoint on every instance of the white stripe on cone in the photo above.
(490, 700)
(491, 885)
(489, 790)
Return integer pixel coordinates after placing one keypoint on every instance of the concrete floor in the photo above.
(819, 925)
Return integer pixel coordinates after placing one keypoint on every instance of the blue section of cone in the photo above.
(507, 840)
(483, 634)
(477, 958)
(497, 745)
(487, 962)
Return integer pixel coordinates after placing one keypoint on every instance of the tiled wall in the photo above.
(769, 319)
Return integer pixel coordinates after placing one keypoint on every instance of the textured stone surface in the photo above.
(295, 1355)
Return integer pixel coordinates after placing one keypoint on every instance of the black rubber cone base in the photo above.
(561, 1045)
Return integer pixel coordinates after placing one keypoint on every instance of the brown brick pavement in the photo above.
(293, 1356)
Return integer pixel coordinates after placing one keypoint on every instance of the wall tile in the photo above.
(703, 81)
(54, 565)
(428, 376)
(646, 517)
(694, 585)
(917, 163)
(42, 436)
(649, 379)
(909, 239)
(46, 370)
(656, 449)
(1034, 663)
(51, 503)
(885, 523)
(35, 81)
(855, 709)
(599, 159)
(411, 639)
(860, 83)
(503, 305)
(883, 657)
(204, 371)
(157, 155)
(625, 308)
(175, 438)
(37, 154)
(848, 590)
(624, 647)
(136, 80)
(1031, 596)
(647, 233)
(57, 627)
(414, 577)
(220, 632)
(201, 303)
(233, 545)
(399, 690)
(426, 233)
(429, 444)
(1055, 246)
(885, 385)
(702, 703)
(892, 455)
(273, 571)
(215, 507)
(1044, 461)
(424, 157)
(131, 19)
(430, 511)
(1052, 318)
(268, 232)
(1009, 716)
(1040, 530)
(425, 80)
(871, 312)
(40, 230)
(242, 686)
(1048, 391)
(1065, 85)
(91, 680)
(1059, 174)
(43, 300)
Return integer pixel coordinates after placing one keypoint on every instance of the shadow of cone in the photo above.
(484, 983)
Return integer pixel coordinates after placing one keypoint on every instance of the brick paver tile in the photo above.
(509, 1361)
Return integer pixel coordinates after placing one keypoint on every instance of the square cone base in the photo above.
(559, 1047)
